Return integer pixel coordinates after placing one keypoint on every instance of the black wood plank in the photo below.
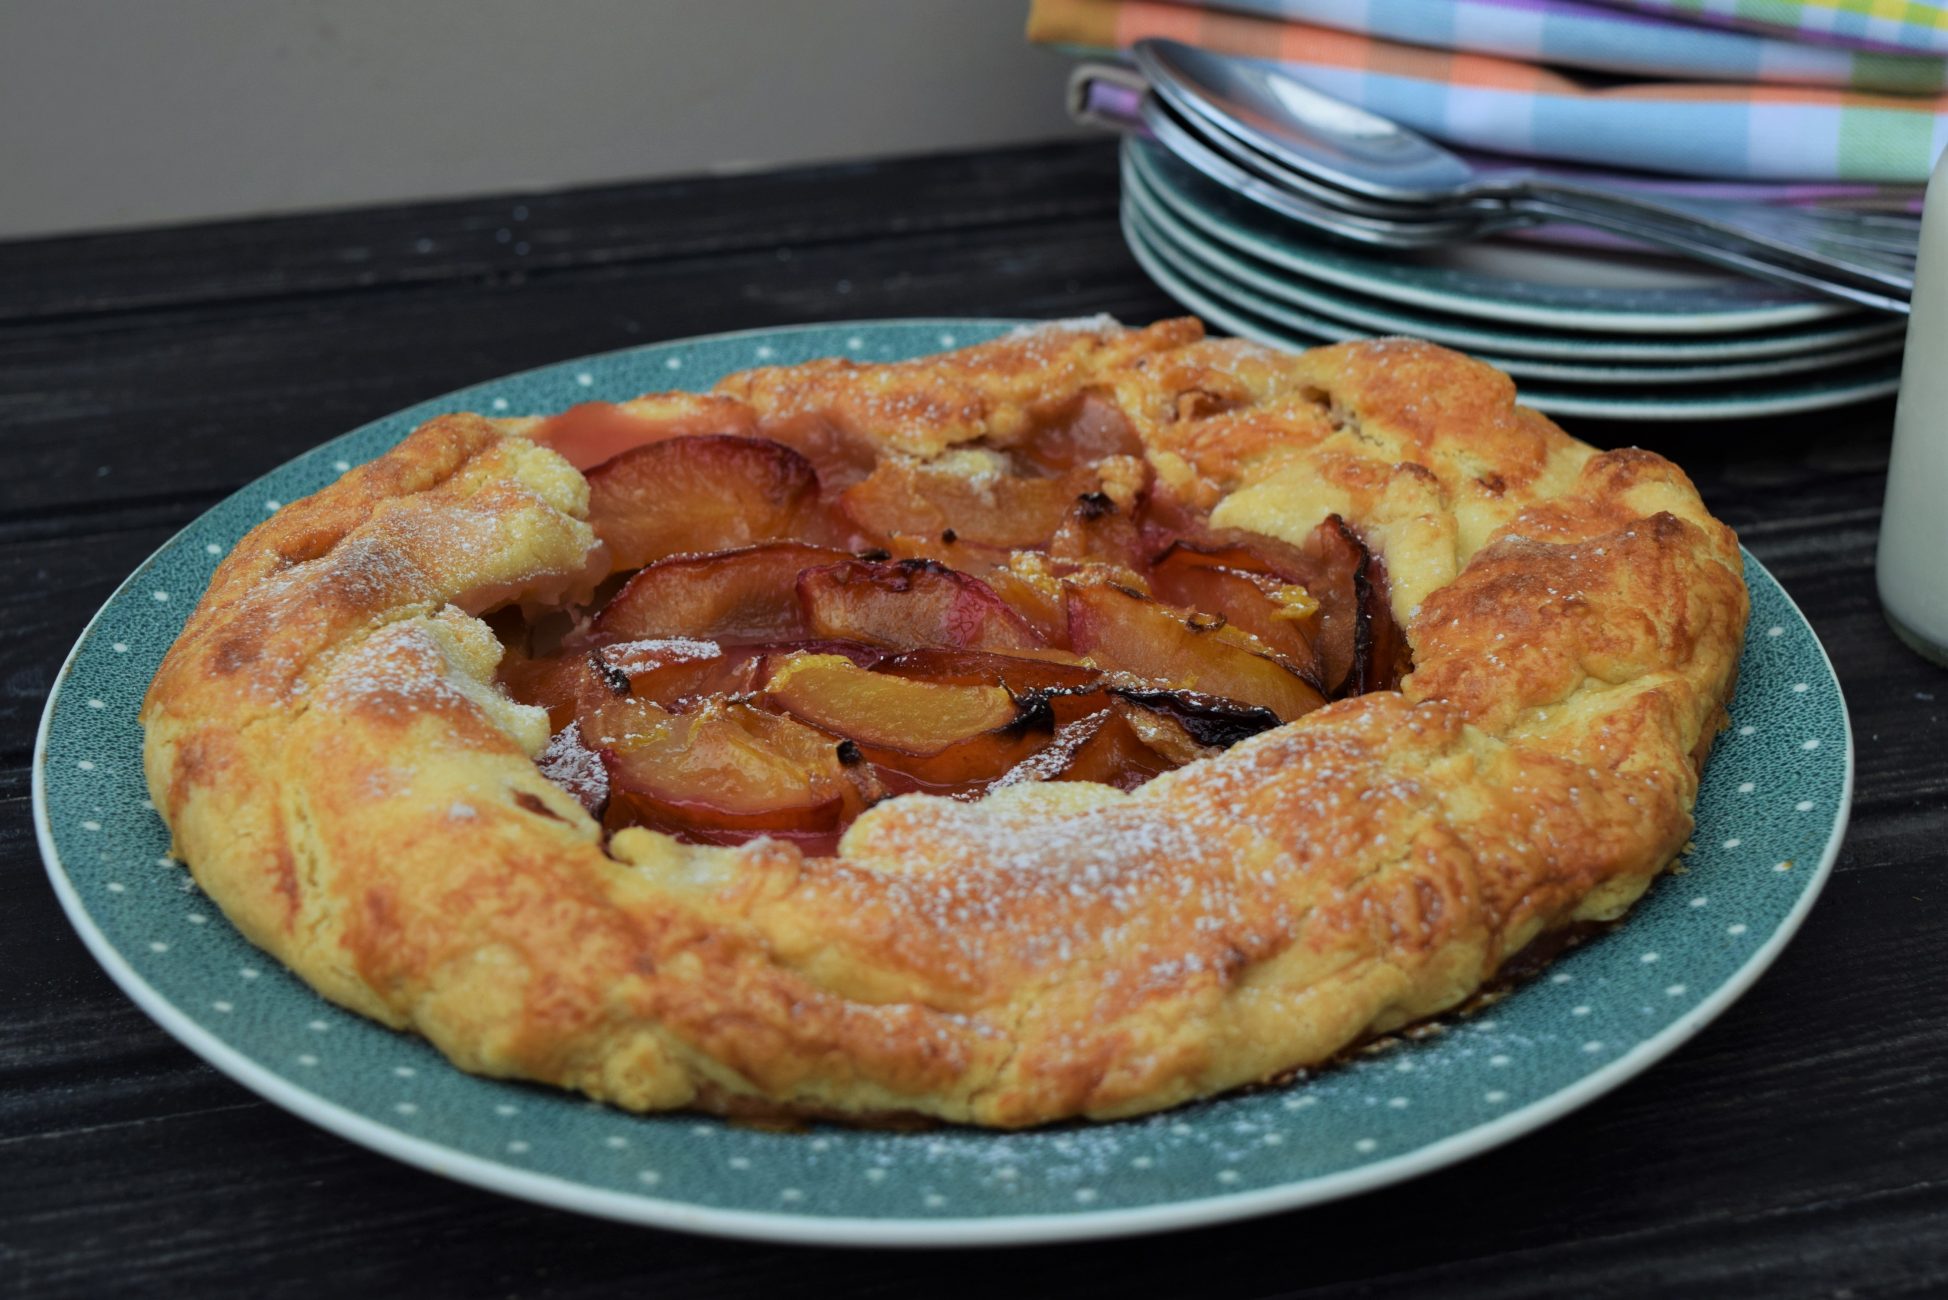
(183, 404)
(1688, 1168)
(514, 237)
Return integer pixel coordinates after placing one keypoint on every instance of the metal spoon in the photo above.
(1347, 149)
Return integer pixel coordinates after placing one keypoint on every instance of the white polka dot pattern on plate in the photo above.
(1771, 793)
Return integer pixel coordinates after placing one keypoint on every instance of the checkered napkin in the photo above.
(1574, 81)
(1898, 26)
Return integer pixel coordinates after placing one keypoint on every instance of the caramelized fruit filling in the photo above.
(797, 630)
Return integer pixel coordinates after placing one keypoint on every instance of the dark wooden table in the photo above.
(1798, 1146)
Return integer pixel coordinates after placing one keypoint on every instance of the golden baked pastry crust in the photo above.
(344, 779)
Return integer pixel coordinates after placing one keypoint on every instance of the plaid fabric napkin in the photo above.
(1721, 129)
(1902, 25)
(1579, 34)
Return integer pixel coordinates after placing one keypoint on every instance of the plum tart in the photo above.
(1067, 726)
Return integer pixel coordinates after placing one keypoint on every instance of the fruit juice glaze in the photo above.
(797, 627)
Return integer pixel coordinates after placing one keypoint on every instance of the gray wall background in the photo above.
(132, 112)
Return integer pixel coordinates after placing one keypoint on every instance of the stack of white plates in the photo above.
(1590, 333)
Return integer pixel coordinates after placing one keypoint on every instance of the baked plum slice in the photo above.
(1187, 725)
(1357, 645)
(1028, 585)
(593, 432)
(1054, 679)
(1020, 672)
(942, 736)
(1081, 432)
(663, 670)
(970, 492)
(727, 772)
(576, 768)
(947, 547)
(676, 671)
(909, 603)
(1360, 647)
(741, 597)
(841, 458)
(1122, 629)
(1280, 613)
(564, 684)
(1094, 528)
(1103, 747)
(711, 492)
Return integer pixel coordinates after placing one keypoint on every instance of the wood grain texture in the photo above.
(1798, 1146)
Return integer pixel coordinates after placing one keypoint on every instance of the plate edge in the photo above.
(555, 1192)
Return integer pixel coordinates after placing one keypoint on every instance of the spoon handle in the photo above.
(1814, 273)
(1752, 231)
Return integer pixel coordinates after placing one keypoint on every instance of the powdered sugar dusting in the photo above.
(1007, 890)
(1049, 762)
(1100, 323)
(655, 652)
(398, 666)
(576, 768)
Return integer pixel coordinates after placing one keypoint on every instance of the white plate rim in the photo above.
(1554, 401)
(559, 1193)
(1596, 319)
(1574, 363)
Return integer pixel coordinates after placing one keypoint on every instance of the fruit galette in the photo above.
(1071, 725)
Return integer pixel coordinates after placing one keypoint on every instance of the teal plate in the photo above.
(1244, 311)
(1502, 282)
(1292, 302)
(1769, 822)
